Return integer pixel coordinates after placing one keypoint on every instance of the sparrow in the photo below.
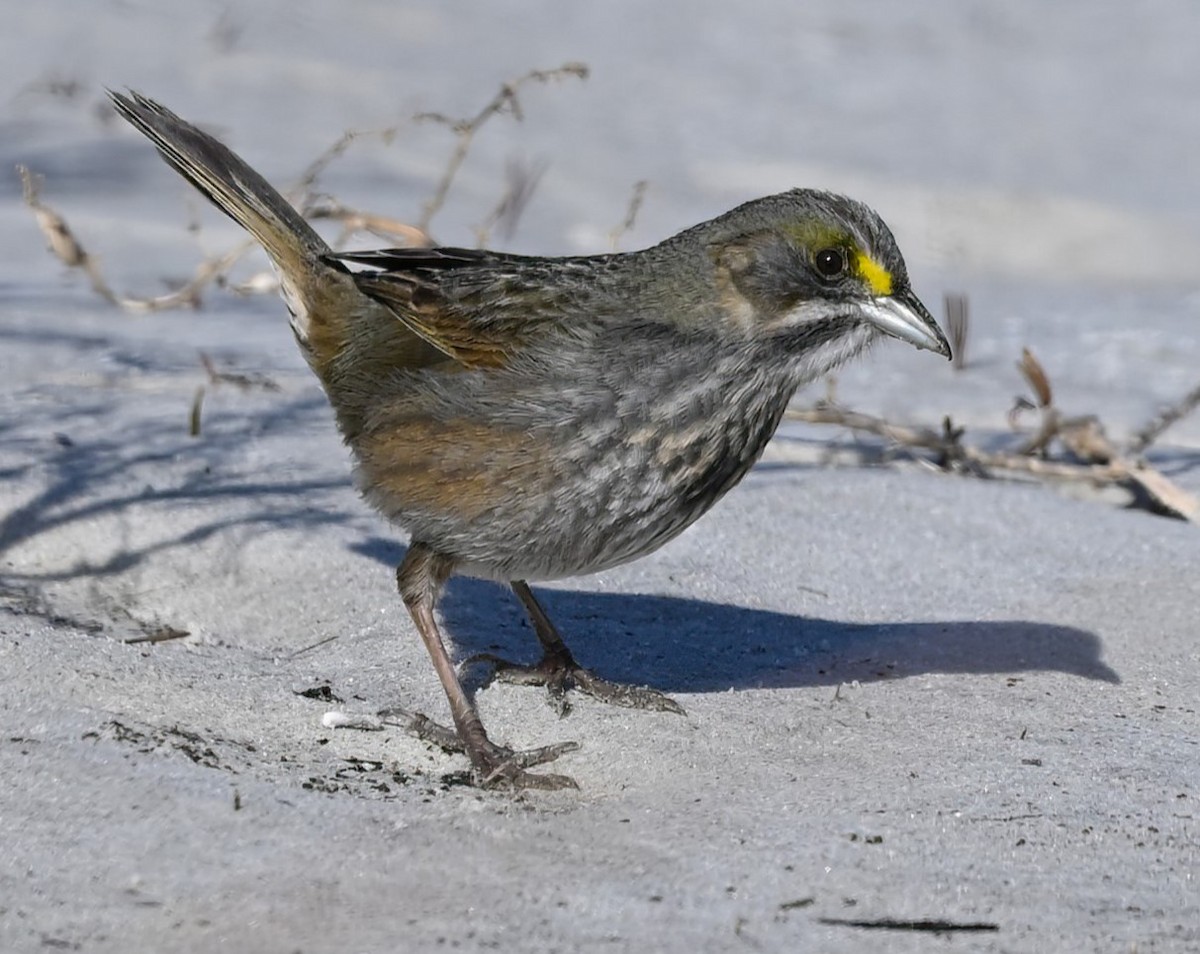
(533, 418)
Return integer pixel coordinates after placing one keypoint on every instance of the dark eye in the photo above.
(830, 262)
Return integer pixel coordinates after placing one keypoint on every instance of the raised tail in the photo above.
(350, 340)
(230, 184)
(319, 293)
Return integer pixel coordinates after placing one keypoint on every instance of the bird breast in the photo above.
(521, 473)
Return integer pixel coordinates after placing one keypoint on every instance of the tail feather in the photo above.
(228, 182)
(350, 340)
(318, 291)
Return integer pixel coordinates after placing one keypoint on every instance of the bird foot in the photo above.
(492, 766)
(498, 766)
(560, 672)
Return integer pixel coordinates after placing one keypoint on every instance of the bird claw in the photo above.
(623, 694)
(497, 766)
(509, 775)
(527, 758)
(424, 728)
(559, 674)
(492, 766)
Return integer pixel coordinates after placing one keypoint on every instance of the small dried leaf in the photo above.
(194, 415)
(1165, 496)
(59, 237)
(61, 242)
(1085, 438)
(1035, 374)
(53, 226)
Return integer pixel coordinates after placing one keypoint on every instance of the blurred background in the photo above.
(1039, 158)
(1050, 141)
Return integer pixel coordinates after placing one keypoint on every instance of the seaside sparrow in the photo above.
(529, 418)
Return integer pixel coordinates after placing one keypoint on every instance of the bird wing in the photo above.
(410, 259)
(478, 307)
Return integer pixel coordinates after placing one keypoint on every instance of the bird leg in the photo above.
(420, 578)
(558, 671)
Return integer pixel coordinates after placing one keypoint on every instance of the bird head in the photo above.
(806, 269)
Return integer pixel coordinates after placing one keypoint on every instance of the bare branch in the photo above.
(465, 129)
(521, 181)
(300, 193)
(1162, 496)
(1150, 488)
(824, 413)
(635, 206)
(1039, 443)
(59, 237)
(243, 382)
(1085, 438)
(67, 248)
(215, 269)
(217, 377)
(354, 221)
(1148, 433)
(188, 295)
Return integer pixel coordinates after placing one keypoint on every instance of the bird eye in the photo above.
(830, 262)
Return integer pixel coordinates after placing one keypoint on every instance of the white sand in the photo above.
(909, 695)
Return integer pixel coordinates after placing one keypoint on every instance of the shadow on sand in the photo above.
(685, 645)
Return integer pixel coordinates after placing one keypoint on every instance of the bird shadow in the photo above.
(678, 644)
(87, 459)
(101, 455)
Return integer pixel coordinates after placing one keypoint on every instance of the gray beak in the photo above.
(903, 316)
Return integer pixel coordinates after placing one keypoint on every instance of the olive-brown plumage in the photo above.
(532, 418)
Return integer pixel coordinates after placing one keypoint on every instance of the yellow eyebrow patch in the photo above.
(878, 278)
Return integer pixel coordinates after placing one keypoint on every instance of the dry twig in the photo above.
(59, 237)
(1149, 432)
(243, 382)
(215, 269)
(302, 194)
(1093, 460)
(521, 180)
(635, 206)
(354, 221)
(465, 129)
(187, 295)
(68, 250)
(216, 377)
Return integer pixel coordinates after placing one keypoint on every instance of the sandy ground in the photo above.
(910, 697)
